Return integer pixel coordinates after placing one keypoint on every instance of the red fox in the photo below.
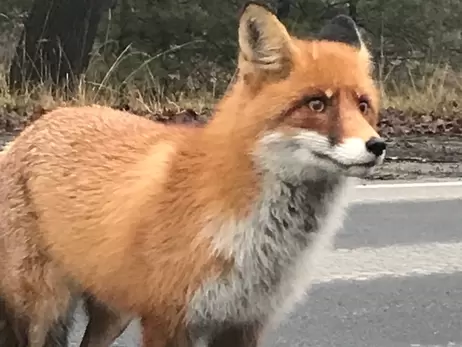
(210, 233)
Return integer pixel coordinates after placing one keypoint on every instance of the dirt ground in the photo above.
(424, 157)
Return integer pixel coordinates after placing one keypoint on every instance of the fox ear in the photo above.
(264, 43)
(343, 29)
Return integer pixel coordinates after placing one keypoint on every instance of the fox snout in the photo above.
(376, 146)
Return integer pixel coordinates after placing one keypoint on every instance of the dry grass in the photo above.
(127, 80)
(145, 98)
(424, 89)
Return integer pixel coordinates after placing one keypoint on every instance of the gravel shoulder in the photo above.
(423, 157)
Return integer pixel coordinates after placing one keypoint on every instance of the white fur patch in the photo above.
(309, 155)
(302, 277)
(274, 250)
(276, 247)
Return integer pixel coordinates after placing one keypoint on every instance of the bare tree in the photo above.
(56, 41)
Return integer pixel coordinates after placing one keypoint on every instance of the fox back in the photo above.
(204, 228)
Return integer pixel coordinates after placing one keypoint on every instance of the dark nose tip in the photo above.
(376, 146)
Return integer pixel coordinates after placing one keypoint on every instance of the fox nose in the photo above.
(376, 146)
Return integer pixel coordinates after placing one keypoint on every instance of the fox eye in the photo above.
(363, 106)
(317, 105)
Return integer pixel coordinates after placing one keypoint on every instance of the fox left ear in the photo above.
(265, 45)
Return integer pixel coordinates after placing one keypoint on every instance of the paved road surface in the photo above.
(394, 278)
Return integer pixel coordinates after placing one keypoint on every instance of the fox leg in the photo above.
(35, 317)
(242, 335)
(38, 301)
(52, 332)
(37, 334)
(105, 325)
(153, 334)
(36, 298)
(36, 307)
(231, 335)
(236, 335)
(158, 333)
(58, 331)
(13, 331)
(49, 325)
(19, 330)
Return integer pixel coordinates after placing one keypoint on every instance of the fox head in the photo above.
(311, 104)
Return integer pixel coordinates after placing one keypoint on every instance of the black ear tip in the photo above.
(344, 21)
(341, 28)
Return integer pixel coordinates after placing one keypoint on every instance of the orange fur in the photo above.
(102, 201)
(107, 215)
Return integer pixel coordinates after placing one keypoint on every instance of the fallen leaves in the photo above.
(393, 122)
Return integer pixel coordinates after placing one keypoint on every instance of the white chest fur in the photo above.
(274, 250)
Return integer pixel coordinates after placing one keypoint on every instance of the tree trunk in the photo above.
(283, 9)
(353, 10)
(125, 30)
(56, 42)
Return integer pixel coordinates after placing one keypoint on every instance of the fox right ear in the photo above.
(343, 29)
(265, 45)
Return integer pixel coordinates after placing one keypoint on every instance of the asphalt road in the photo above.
(393, 279)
